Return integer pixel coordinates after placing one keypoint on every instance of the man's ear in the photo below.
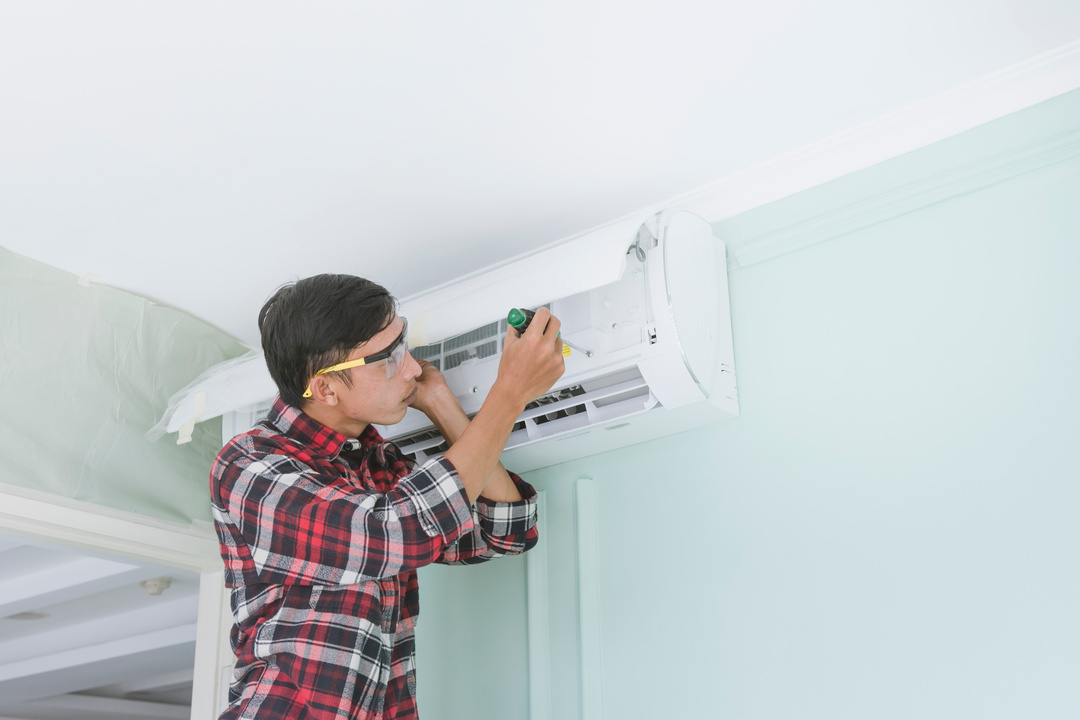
(322, 391)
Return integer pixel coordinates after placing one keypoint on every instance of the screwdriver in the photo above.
(519, 319)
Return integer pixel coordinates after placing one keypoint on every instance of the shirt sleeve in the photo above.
(499, 528)
(297, 525)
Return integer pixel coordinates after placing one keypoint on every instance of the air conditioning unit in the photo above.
(644, 305)
(652, 352)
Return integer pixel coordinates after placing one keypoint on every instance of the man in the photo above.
(322, 524)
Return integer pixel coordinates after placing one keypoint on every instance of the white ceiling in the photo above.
(202, 153)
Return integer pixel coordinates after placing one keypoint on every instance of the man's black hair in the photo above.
(316, 322)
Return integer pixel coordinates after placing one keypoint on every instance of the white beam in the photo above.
(88, 667)
(115, 706)
(49, 517)
(97, 653)
(55, 643)
(5, 545)
(164, 681)
(65, 581)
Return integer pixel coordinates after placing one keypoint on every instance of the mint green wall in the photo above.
(890, 528)
(472, 648)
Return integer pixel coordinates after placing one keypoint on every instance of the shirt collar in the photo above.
(312, 434)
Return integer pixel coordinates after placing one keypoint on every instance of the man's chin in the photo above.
(393, 419)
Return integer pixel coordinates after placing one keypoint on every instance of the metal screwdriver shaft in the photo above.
(519, 319)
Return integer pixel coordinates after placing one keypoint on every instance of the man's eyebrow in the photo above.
(393, 342)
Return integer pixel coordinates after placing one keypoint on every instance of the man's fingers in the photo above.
(512, 336)
(545, 323)
(553, 326)
(544, 327)
(539, 321)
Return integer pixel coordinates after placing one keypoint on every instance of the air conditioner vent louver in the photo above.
(480, 352)
(555, 397)
(558, 397)
(430, 353)
(483, 342)
(487, 349)
(455, 359)
(569, 409)
(473, 336)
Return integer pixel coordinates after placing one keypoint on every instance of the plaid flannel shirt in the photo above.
(321, 537)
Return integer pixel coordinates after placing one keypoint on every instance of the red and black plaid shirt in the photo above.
(321, 537)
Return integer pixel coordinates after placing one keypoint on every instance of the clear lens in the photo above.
(396, 359)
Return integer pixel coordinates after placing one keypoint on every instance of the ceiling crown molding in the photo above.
(926, 122)
(880, 196)
(54, 519)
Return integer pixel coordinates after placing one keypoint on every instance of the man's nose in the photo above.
(412, 368)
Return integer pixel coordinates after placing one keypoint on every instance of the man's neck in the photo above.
(334, 420)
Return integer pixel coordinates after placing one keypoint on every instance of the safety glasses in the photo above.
(393, 355)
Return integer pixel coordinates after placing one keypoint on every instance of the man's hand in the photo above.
(531, 363)
(529, 367)
(431, 389)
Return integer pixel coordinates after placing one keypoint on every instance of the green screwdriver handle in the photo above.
(519, 319)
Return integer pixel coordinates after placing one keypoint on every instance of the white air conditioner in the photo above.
(658, 336)
(646, 298)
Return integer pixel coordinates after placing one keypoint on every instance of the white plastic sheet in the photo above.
(231, 385)
(85, 370)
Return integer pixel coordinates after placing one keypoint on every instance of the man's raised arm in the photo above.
(529, 367)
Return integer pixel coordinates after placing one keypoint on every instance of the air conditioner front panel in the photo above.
(683, 304)
(562, 270)
(692, 297)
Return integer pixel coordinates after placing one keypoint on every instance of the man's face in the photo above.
(373, 397)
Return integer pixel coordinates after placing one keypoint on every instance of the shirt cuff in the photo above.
(501, 519)
(439, 497)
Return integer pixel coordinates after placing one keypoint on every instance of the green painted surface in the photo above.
(472, 651)
(889, 528)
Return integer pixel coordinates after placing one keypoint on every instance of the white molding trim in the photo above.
(539, 634)
(52, 518)
(116, 707)
(214, 659)
(588, 547)
(936, 118)
(827, 223)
